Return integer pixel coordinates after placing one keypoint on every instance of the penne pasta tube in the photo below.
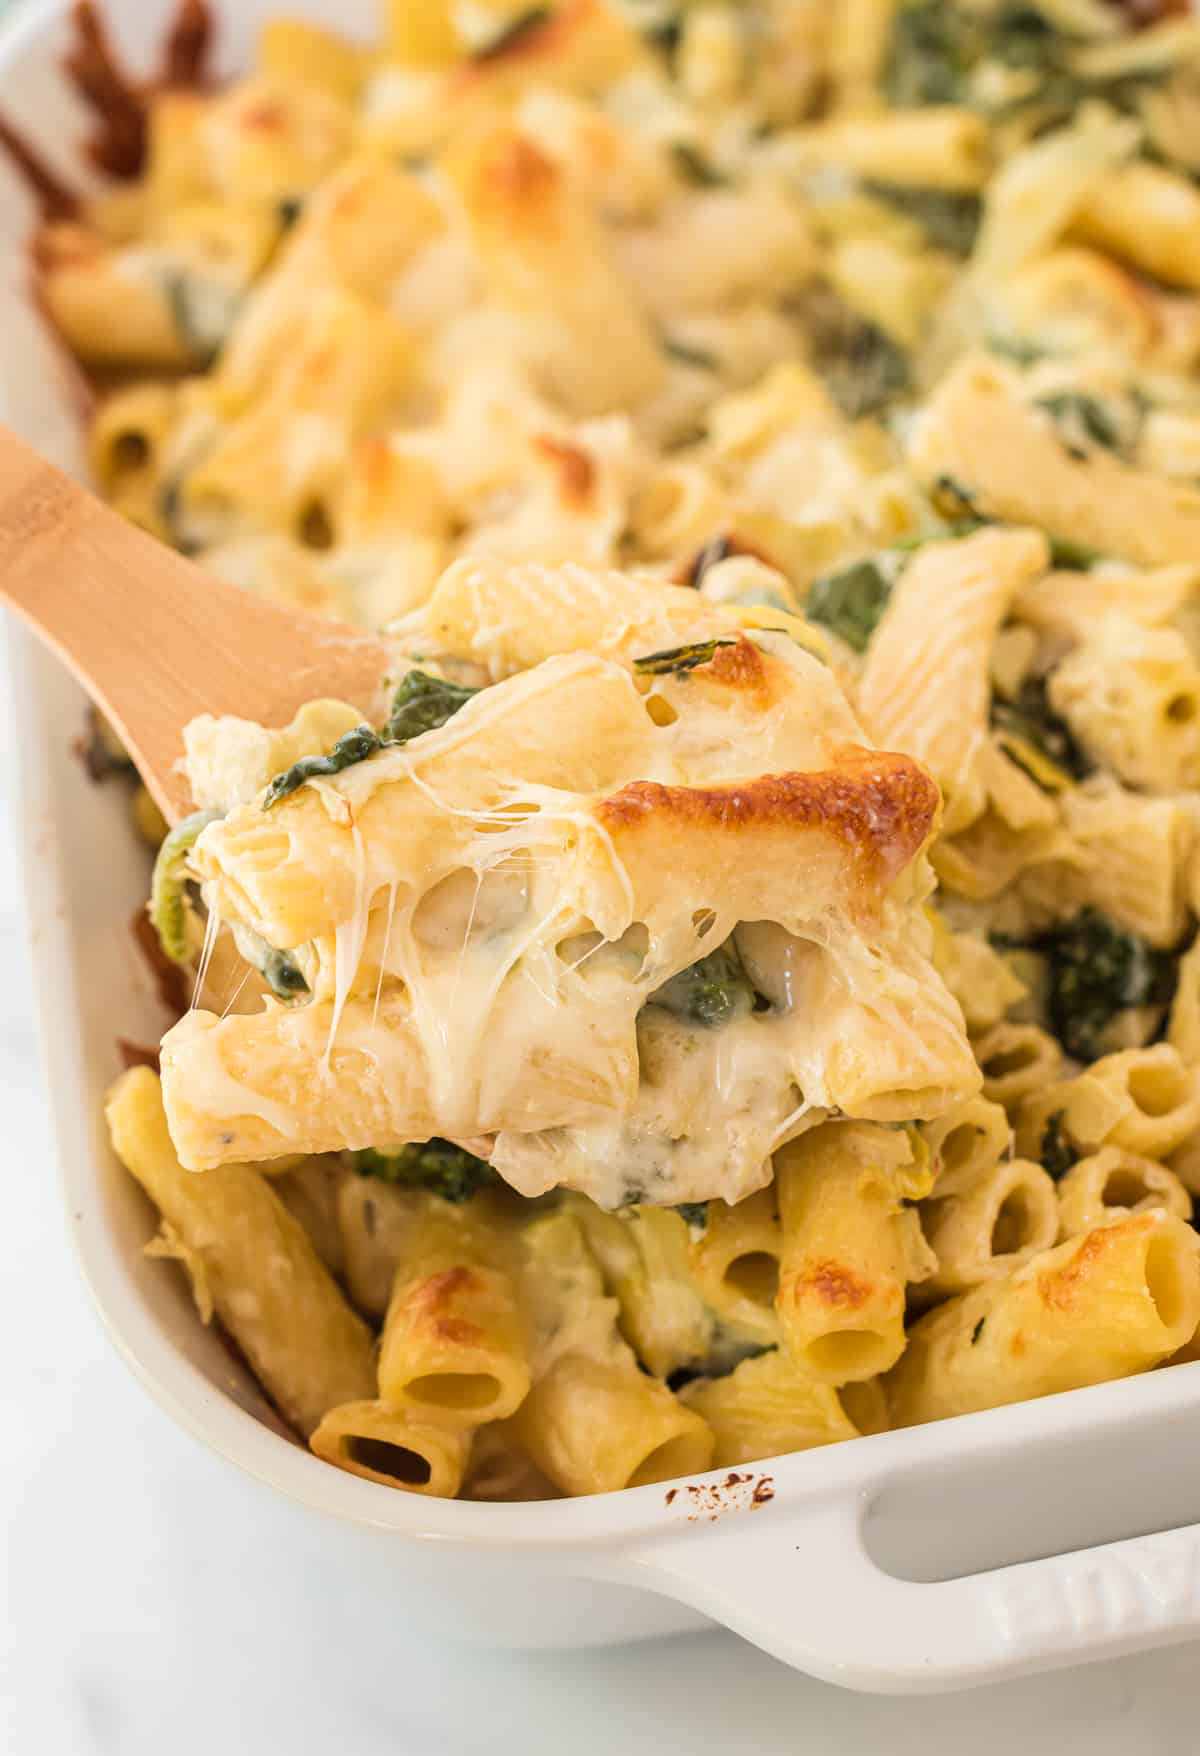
(926, 687)
(357, 234)
(593, 1421)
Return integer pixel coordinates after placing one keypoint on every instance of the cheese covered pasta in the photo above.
(734, 988)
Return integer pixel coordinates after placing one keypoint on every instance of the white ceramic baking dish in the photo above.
(979, 1548)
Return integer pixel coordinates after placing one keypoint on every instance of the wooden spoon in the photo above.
(153, 639)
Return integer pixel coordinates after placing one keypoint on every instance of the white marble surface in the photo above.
(155, 1603)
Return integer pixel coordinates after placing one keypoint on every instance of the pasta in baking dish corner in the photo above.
(735, 989)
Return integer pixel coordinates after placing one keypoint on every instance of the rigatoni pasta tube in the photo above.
(1116, 1301)
(544, 256)
(965, 1142)
(1149, 215)
(735, 1264)
(293, 49)
(866, 1405)
(593, 1420)
(384, 1445)
(1110, 1184)
(984, 1230)
(936, 147)
(421, 35)
(1131, 696)
(1017, 1059)
(766, 1407)
(374, 1219)
(309, 1191)
(453, 1343)
(849, 1248)
(926, 685)
(265, 1280)
(1008, 457)
(358, 232)
(593, 1425)
(498, 1468)
(644, 1255)
(1144, 1100)
(109, 310)
(128, 433)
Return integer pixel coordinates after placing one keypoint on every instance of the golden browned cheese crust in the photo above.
(514, 181)
(429, 1304)
(575, 468)
(742, 666)
(833, 1285)
(879, 806)
(1059, 1289)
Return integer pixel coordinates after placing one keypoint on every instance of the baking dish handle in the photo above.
(804, 1588)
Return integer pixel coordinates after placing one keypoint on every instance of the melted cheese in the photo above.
(488, 911)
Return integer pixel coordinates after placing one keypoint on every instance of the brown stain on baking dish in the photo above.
(739, 1492)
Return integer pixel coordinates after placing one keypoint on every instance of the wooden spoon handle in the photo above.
(153, 639)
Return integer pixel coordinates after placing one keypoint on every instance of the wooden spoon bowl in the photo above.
(153, 638)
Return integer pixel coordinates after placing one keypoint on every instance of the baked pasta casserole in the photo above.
(736, 987)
